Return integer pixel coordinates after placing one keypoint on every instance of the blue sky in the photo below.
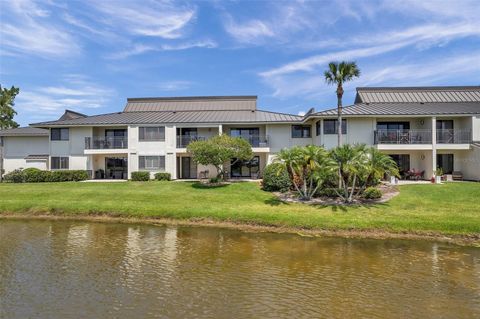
(89, 56)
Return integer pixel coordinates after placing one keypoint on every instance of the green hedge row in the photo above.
(34, 175)
(145, 176)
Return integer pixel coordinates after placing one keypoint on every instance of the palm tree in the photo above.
(337, 74)
(351, 161)
(310, 164)
(378, 164)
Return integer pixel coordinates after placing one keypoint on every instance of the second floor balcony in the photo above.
(416, 136)
(109, 142)
(256, 140)
(184, 140)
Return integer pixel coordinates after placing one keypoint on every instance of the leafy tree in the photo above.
(337, 74)
(220, 149)
(310, 164)
(7, 97)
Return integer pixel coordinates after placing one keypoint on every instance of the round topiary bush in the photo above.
(372, 193)
(276, 178)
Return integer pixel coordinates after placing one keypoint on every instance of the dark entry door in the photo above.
(403, 162)
(116, 168)
(186, 168)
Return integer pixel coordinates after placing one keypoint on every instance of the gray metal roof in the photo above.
(69, 114)
(24, 131)
(434, 94)
(220, 117)
(405, 109)
(192, 103)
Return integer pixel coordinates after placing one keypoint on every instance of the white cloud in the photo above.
(432, 71)
(46, 103)
(174, 85)
(151, 18)
(142, 48)
(249, 32)
(29, 29)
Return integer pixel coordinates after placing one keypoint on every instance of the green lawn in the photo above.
(452, 208)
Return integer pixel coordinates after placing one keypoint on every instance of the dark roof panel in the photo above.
(192, 103)
(24, 131)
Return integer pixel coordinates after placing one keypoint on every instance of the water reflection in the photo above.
(89, 270)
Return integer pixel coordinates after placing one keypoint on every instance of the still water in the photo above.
(61, 269)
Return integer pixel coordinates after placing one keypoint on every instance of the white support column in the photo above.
(322, 137)
(434, 144)
(220, 129)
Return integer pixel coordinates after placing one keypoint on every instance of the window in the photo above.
(59, 134)
(301, 131)
(331, 126)
(393, 126)
(151, 163)
(317, 127)
(59, 163)
(152, 133)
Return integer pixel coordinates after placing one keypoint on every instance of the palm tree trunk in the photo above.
(339, 112)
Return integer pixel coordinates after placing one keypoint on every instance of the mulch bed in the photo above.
(388, 192)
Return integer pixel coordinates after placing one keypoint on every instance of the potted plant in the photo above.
(438, 175)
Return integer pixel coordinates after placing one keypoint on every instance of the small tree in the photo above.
(310, 164)
(7, 98)
(220, 149)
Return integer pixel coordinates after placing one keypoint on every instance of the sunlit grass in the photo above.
(452, 208)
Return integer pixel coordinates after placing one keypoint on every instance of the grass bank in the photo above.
(451, 209)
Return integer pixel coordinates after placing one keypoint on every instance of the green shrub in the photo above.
(15, 176)
(34, 175)
(214, 180)
(66, 176)
(372, 193)
(140, 176)
(328, 192)
(276, 178)
(162, 176)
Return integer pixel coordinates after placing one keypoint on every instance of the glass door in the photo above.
(116, 138)
(252, 134)
(116, 168)
(445, 131)
(188, 168)
(445, 162)
(245, 169)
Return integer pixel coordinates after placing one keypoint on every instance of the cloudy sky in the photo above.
(89, 56)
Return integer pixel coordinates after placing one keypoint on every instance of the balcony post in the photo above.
(220, 129)
(434, 143)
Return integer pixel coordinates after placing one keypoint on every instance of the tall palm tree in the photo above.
(337, 74)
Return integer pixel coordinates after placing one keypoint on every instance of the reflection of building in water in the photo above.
(170, 245)
(77, 237)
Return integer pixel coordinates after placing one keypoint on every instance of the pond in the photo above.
(66, 269)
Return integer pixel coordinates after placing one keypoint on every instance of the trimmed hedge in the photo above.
(34, 175)
(15, 176)
(140, 176)
(163, 176)
(276, 178)
(372, 193)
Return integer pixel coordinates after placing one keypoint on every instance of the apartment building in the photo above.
(422, 128)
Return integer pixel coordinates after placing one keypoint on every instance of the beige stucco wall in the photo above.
(16, 148)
